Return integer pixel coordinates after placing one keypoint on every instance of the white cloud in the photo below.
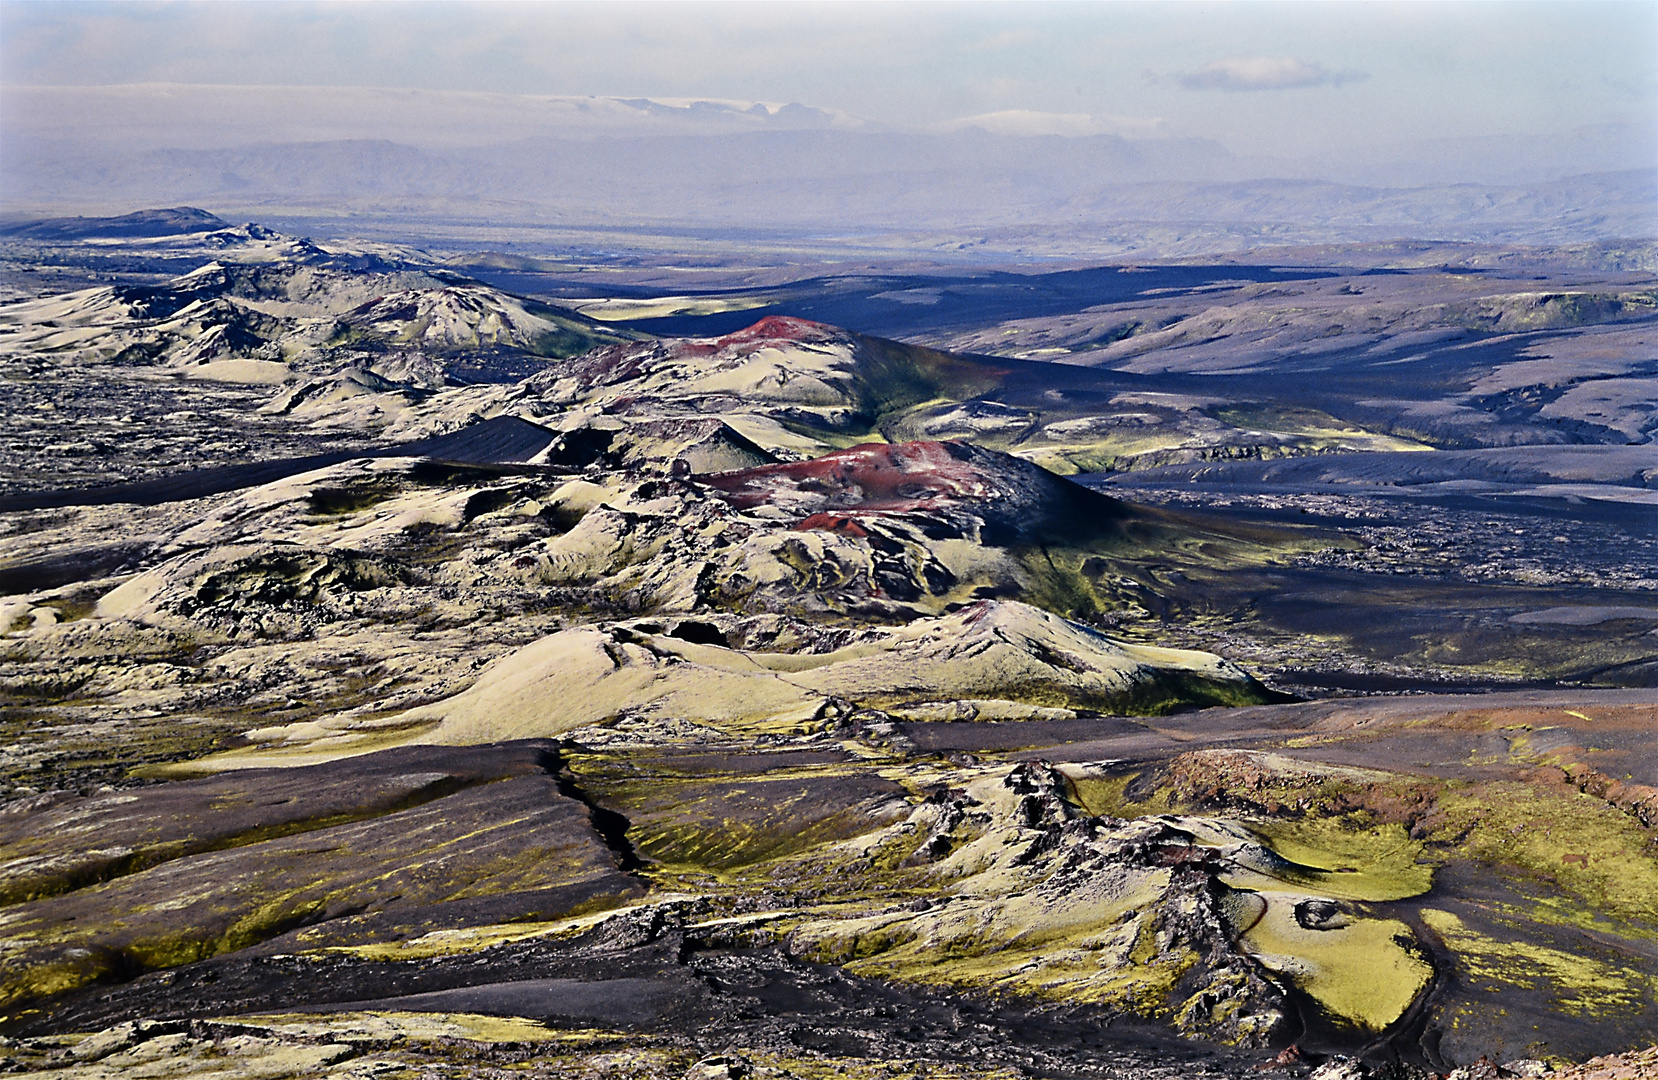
(1438, 70)
(202, 116)
(1265, 73)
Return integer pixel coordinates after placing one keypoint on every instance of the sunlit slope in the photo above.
(801, 388)
(907, 573)
(1006, 659)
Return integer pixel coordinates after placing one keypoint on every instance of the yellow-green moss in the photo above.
(422, 1027)
(1107, 797)
(348, 744)
(1346, 858)
(1592, 857)
(1578, 984)
(1366, 973)
(477, 938)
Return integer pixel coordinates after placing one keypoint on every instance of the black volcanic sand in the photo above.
(397, 842)
(666, 983)
(1460, 590)
(236, 810)
(1451, 735)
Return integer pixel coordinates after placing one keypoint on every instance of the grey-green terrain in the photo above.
(432, 661)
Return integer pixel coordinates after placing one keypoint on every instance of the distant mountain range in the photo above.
(832, 181)
(1014, 183)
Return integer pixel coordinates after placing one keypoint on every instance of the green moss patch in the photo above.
(1365, 973)
(1589, 859)
(726, 823)
(1587, 986)
(1349, 858)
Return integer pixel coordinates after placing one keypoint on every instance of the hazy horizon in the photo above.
(474, 109)
(1280, 80)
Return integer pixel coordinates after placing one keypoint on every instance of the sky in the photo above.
(1261, 78)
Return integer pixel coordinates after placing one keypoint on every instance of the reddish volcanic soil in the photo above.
(782, 328)
(874, 477)
(1014, 499)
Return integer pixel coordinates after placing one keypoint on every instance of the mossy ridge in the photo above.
(1160, 563)
(1143, 981)
(351, 743)
(1320, 429)
(234, 899)
(1393, 829)
(1021, 944)
(667, 826)
(1055, 907)
(1362, 970)
(471, 939)
(1578, 984)
(1249, 784)
(848, 858)
(1348, 855)
(78, 757)
(424, 1040)
(1575, 861)
(726, 847)
(403, 1044)
(1130, 452)
(811, 875)
(1597, 860)
(849, 876)
(147, 857)
(898, 377)
(1068, 438)
(430, 1027)
(278, 914)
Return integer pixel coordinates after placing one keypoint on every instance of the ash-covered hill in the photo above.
(178, 220)
(251, 352)
(302, 310)
(800, 388)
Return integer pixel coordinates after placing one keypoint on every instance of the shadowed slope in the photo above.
(504, 439)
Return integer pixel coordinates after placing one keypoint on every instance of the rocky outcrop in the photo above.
(1029, 894)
